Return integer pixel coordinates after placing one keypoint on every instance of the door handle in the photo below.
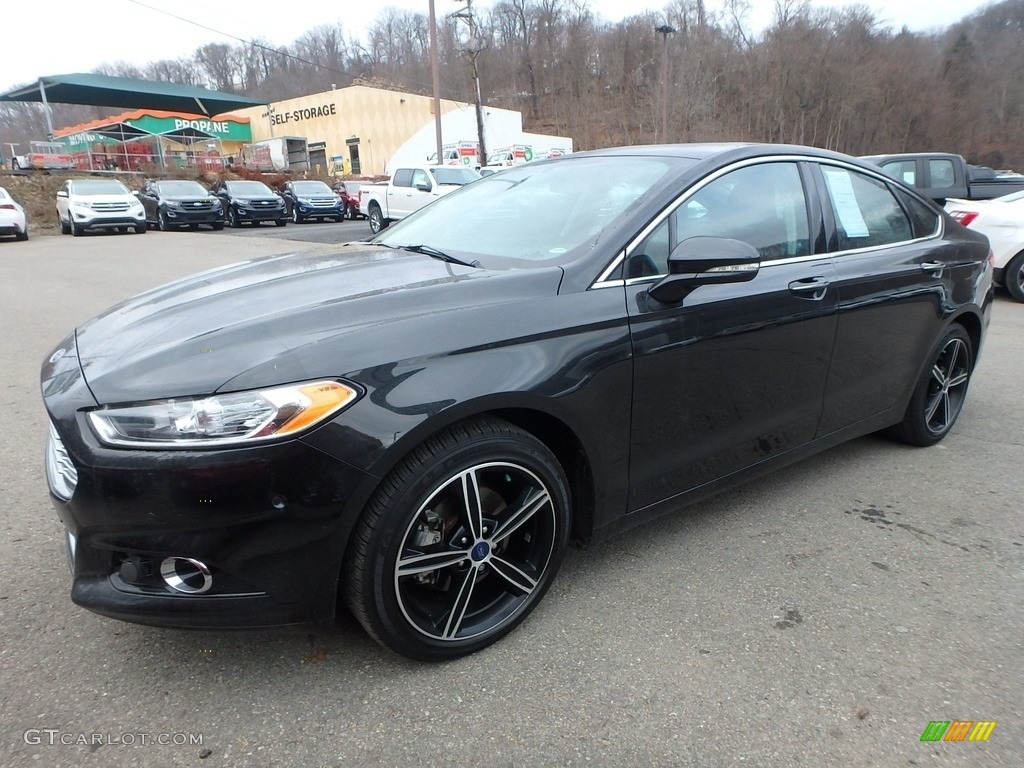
(932, 266)
(813, 288)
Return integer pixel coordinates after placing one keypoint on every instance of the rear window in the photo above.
(454, 175)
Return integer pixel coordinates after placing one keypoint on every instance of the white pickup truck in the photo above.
(409, 189)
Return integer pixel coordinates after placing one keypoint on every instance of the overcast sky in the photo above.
(65, 36)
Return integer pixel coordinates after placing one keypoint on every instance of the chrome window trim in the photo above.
(603, 282)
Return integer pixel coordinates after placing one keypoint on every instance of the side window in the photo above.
(941, 172)
(402, 178)
(865, 210)
(924, 220)
(763, 205)
(904, 170)
(420, 177)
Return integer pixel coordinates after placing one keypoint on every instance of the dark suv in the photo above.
(312, 200)
(250, 201)
(174, 204)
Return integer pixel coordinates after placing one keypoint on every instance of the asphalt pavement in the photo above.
(821, 616)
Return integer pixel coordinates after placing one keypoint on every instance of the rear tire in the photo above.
(281, 222)
(1013, 276)
(939, 395)
(218, 226)
(377, 220)
(487, 505)
(23, 236)
(140, 229)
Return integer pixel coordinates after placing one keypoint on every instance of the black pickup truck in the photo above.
(941, 176)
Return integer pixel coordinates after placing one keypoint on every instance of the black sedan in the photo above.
(309, 200)
(175, 204)
(417, 426)
(251, 202)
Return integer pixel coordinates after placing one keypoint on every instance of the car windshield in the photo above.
(547, 212)
(250, 188)
(311, 188)
(454, 175)
(99, 187)
(182, 188)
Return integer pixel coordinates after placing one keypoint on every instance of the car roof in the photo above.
(704, 151)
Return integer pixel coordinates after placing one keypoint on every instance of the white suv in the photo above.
(84, 204)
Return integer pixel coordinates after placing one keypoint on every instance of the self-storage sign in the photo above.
(306, 113)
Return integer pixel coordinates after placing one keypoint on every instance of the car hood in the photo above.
(208, 198)
(286, 318)
(103, 198)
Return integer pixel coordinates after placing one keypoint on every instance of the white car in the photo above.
(12, 217)
(1002, 221)
(85, 204)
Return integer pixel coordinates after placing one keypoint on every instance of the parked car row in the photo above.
(107, 204)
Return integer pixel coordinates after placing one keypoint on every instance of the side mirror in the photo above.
(61, 193)
(701, 261)
(424, 186)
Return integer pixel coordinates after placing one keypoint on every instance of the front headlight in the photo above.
(219, 420)
(172, 204)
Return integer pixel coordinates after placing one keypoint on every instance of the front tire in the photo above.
(162, 223)
(76, 231)
(939, 395)
(296, 216)
(65, 227)
(1013, 276)
(233, 221)
(460, 542)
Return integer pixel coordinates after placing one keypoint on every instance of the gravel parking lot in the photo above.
(821, 616)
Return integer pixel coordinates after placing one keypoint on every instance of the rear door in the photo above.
(894, 275)
(734, 374)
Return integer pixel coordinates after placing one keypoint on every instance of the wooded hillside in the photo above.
(834, 79)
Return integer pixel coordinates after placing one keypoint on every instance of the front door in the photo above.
(734, 374)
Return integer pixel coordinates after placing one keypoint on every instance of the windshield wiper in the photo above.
(427, 250)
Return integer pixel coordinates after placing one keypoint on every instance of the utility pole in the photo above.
(435, 75)
(474, 45)
(664, 30)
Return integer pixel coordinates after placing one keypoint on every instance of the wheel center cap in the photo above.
(480, 551)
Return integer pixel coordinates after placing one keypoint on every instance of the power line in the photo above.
(268, 49)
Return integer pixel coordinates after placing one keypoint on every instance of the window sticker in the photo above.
(840, 189)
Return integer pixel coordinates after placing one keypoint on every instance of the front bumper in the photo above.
(247, 213)
(93, 220)
(321, 212)
(270, 523)
(190, 216)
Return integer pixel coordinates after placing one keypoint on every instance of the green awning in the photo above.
(129, 93)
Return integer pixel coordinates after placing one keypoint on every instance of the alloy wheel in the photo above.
(475, 551)
(947, 388)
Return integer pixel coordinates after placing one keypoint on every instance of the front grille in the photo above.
(323, 202)
(60, 470)
(109, 207)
